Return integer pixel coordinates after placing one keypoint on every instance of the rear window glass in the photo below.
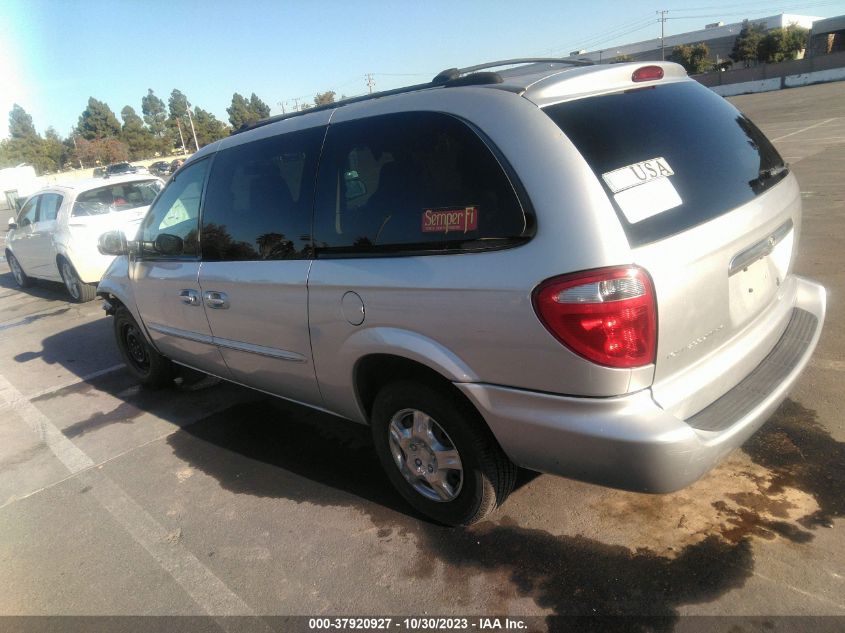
(116, 197)
(718, 158)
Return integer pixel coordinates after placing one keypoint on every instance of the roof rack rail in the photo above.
(331, 106)
(452, 73)
(448, 78)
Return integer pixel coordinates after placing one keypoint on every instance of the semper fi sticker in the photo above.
(452, 219)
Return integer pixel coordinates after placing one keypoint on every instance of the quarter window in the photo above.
(259, 199)
(176, 210)
(420, 181)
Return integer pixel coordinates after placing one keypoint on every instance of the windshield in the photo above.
(116, 197)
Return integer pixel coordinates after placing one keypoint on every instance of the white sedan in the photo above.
(56, 231)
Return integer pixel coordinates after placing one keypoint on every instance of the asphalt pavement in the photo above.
(210, 499)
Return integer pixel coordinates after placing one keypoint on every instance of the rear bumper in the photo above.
(630, 442)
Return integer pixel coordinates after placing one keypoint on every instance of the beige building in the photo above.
(718, 36)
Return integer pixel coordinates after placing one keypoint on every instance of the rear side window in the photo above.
(50, 203)
(413, 182)
(259, 199)
(720, 159)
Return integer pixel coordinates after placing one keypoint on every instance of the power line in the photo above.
(774, 8)
(603, 35)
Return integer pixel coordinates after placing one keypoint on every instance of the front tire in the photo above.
(79, 291)
(439, 454)
(148, 366)
(20, 276)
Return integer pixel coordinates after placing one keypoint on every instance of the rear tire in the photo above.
(439, 454)
(148, 366)
(79, 291)
(20, 276)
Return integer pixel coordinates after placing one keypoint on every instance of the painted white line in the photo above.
(807, 594)
(821, 363)
(24, 400)
(804, 129)
(66, 451)
(206, 589)
(76, 381)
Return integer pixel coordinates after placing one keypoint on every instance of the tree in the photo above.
(747, 44)
(98, 121)
(26, 146)
(693, 57)
(55, 150)
(239, 112)
(155, 116)
(208, 127)
(139, 140)
(258, 107)
(178, 105)
(20, 123)
(782, 44)
(623, 58)
(101, 151)
(324, 98)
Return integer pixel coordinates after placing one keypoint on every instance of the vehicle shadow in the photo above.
(270, 448)
(82, 350)
(40, 288)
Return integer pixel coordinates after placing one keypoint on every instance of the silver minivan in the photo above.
(579, 270)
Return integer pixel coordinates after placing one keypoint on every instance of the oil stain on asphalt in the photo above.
(792, 484)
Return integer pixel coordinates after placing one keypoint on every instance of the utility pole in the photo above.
(662, 20)
(76, 149)
(191, 121)
(282, 104)
(295, 104)
(181, 138)
(370, 82)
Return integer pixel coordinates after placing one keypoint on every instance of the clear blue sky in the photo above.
(55, 54)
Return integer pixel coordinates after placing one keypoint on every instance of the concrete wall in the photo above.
(766, 77)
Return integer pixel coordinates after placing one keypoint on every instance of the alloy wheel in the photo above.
(425, 455)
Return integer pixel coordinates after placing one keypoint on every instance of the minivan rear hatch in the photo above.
(710, 211)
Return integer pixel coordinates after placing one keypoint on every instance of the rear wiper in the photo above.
(771, 172)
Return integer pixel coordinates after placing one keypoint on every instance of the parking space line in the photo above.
(15, 403)
(822, 363)
(76, 381)
(809, 127)
(199, 582)
(797, 590)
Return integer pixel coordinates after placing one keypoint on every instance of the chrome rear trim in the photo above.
(760, 249)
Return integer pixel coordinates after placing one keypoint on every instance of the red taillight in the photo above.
(647, 73)
(607, 315)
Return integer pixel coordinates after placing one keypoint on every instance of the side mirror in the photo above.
(12, 225)
(168, 244)
(112, 243)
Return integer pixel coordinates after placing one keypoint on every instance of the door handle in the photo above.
(191, 297)
(216, 300)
